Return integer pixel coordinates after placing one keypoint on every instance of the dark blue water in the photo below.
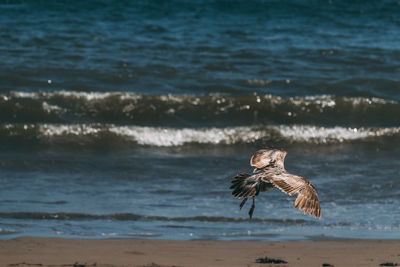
(129, 118)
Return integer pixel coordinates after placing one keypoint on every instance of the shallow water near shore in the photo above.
(150, 193)
(130, 120)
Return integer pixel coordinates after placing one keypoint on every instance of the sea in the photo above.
(128, 119)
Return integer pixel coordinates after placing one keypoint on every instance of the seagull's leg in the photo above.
(243, 202)
(252, 207)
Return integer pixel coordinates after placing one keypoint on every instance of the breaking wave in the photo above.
(195, 111)
(84, 134)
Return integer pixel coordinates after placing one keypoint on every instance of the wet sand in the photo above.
(33, 251)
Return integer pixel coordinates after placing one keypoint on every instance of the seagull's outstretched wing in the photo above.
(307, 199)
(266, 157)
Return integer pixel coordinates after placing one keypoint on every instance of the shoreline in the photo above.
(38, 251)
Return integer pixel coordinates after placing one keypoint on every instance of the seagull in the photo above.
(269, 173)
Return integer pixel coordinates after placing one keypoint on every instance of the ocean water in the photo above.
(129, 118)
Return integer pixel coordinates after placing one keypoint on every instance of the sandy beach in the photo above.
(33, 251)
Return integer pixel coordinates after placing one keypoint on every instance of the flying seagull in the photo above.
(269, 173)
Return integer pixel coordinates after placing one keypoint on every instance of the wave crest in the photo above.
(188, 111)
(83, 134)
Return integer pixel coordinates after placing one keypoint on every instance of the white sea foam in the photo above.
(160, 136)
(89, 96)
(49, 108)
(315, 134)
(24, 94)
(321, 100)
(176, 137)
(50, 130)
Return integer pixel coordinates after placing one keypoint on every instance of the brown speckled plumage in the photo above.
(269, 173)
